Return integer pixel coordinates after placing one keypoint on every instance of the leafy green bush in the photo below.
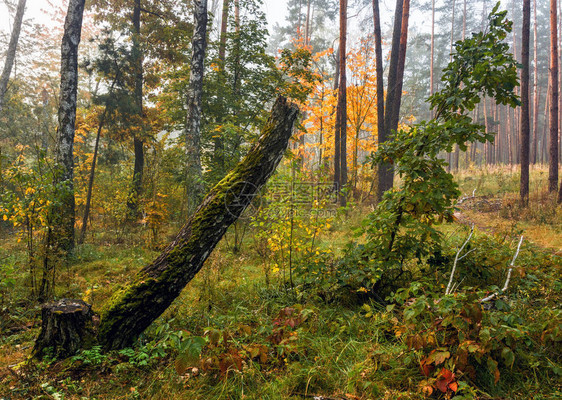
(455, 339)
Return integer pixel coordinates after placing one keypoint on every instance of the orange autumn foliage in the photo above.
(318, 125)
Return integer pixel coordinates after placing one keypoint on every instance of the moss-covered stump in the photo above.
(132, 309)
(67, 325)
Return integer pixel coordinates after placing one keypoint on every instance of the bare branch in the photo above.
(508, 279)
(152, 13)
(465, 198)
(449, 286)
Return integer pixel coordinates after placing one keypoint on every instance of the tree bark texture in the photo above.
(138, 143)
(525, 106)
(379, 66)
(337, 138)
(341, 110)
(67, 325)
(63, 213)
(394, 89)
(218, 155)
(11, 54)
(560, 194)
(132, 309)
(194, 95)
(553, 117)
(394, 116)
(535, 89)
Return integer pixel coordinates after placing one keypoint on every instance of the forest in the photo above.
(349, 200)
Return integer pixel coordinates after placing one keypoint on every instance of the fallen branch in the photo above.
(508, 279)
(457, 259)
(465, 198)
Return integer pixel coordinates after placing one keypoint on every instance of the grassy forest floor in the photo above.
(237, 332)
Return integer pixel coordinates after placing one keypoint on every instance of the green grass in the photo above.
(336, 349)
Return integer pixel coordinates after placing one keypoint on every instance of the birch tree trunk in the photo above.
(62, 213)
(11, 54)
(525, 124)
(135, 307)
(194, 95)
(553, 149)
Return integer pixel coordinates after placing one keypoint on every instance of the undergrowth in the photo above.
(232, 336)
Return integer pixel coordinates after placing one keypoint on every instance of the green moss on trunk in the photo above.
(132, 309)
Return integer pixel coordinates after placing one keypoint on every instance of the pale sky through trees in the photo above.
(275, 11)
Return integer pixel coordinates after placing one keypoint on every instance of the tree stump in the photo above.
(66, 326)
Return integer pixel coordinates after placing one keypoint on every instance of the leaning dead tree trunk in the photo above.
(11, 54)
(132, 309)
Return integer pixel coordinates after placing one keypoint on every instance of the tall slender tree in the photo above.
(379, 66)
(341, 110)
(218, 155)
(138, 143)
(432, 59)
(62, 213)
(525, 123)
(394, 89)
(155, 287)
(450, 159)
(534, 142)
(194, 95)
(11, 54)
(553, 117)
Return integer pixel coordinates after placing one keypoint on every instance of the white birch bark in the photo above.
(194, 95)
(64, 216)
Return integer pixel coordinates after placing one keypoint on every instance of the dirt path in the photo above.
(484, 213)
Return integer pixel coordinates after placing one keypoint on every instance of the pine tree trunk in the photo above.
(337, 131)
(341, 111)
(138, 144)
(544, 151)
(11, 54)
(380, 69)
(135, 307)
(533, 157)
(525, 124)
(194, 95)
(394, 88)
(63, 213)
(553, 149)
